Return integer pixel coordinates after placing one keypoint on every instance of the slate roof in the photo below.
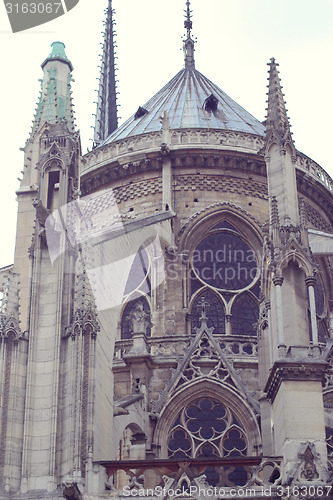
(190, 99)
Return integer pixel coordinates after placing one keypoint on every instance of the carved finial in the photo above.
(188, 22)
(277, 121)
(302, 213)
(203, 305)
(188, 43)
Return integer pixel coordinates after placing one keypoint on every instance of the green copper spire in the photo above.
(58, 54)
(55, 100)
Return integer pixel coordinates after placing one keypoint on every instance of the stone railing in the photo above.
(239, 348)
(125, 149)
(316, 171)
(233, 477)
(234, 347)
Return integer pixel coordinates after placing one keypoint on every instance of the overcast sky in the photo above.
(235, 40)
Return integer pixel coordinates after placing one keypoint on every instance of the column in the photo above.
(278, 280)
(310, 282)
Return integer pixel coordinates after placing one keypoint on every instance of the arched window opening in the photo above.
(138, 277)
(53, 190)
(223, 268)
(215, 312)
(206, 428)
(244, 315)
(137, 307)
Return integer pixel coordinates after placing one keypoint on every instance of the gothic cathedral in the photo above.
(166, 327)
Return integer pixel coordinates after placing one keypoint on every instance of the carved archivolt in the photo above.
(208, 216)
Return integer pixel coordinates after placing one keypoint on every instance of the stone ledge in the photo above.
(289, 369)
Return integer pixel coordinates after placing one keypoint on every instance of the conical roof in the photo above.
(192, 101)
(55, 102)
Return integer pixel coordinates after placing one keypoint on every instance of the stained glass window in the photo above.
(206, 428)
(126, 322)
(223, 260)
(244, 315)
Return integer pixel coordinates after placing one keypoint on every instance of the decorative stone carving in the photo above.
(227, 206)
(71, 490)
(204, 360)
(42, 213)
(138, 318)
(309, 470)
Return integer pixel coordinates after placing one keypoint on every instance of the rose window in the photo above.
(224, 261)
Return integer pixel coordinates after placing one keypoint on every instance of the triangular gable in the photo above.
(204, 360)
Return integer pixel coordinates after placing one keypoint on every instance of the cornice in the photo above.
(316, 191)
(221, 161)
(296, 370)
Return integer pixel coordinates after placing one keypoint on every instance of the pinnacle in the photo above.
(276, 118)
(106, 120)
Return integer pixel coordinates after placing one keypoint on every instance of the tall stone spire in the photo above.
(106, 110)
(55, 104)
(280, 152)
(188, 42)
(277, 121)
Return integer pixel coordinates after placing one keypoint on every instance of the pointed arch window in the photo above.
(139, 276)
(206, 428)
(224, 270)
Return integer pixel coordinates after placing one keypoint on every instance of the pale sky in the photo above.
(235, 41)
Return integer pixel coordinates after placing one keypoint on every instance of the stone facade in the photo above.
(167, 322)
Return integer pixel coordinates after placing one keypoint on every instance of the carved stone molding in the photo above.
(85, 321)
(10, 330)
(212, 209)
(300, 370)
